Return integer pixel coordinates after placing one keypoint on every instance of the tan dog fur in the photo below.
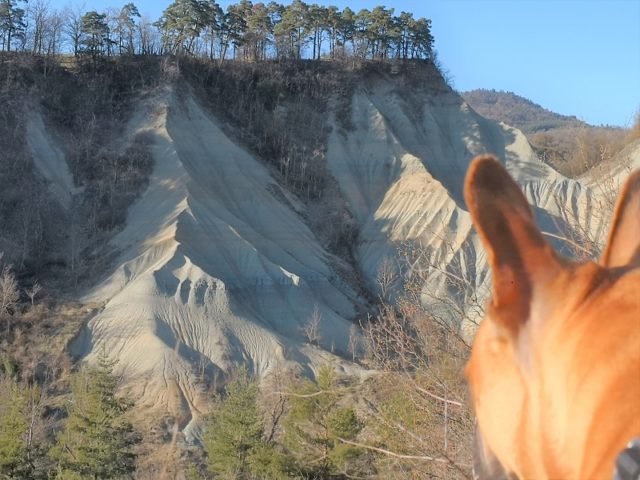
(555, 367)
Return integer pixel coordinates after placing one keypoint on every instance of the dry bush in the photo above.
(119, 179)
(311, 328)
(634, 132)
(573, 151)
(86, 107)
(9, 296)
(27, 215)
(419, 417)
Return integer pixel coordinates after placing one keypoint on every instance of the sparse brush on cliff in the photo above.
(279, 109)
(417, 407)
(85, 109)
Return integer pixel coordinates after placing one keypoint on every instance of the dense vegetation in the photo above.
(81, 434)
(88, 120)
(244, 31)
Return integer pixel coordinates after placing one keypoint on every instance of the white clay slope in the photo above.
(401, 170)
(216, 270)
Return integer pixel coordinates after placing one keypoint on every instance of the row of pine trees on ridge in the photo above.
(243, 31)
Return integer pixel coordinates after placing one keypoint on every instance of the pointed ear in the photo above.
(623, 246)
(517, 253)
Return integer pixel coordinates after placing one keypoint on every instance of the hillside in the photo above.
(202, 219)
(568, 144)
(517, 111)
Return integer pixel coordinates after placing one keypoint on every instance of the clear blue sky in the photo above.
(575, 57)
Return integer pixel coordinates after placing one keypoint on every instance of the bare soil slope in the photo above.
(401, 170)
(215, 269)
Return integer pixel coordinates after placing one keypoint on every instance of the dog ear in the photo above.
(517, 253)
(623, 246)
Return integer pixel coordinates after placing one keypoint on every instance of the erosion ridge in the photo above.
(401, 171)
(214, 269)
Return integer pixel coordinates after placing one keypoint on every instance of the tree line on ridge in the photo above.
(244, 31)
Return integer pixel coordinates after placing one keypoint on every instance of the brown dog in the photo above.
(555, 367)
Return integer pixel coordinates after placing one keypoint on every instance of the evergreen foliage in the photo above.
(259, 31)
(96, 441)
(12, 24)
(243, 31)
(234, 436)
(22, 452)
(95, 33)
(14, 425)
(126, 28)
(316, 423)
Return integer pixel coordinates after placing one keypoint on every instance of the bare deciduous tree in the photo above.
(418, 405)
(312, 327)
(73, 26)
(9, 294)
(37, 15)
(54, 32)
(33, 291)
(354, 342)
(386, 278)
(274, 401)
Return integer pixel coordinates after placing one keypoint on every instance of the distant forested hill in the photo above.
(568, 144)
(517, 111)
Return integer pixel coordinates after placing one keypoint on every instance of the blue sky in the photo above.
(575, 57)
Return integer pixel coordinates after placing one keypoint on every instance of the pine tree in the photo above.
(97, 440)
(126, 27)
(317, 421)
(12, 23)
(233, 438)
(183, 21)
(22, 452)
(14, 424)
(95, 33)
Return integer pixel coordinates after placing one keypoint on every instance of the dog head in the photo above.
(554, 372)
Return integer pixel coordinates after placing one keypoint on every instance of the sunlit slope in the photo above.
(401, 169)
(216, 268)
